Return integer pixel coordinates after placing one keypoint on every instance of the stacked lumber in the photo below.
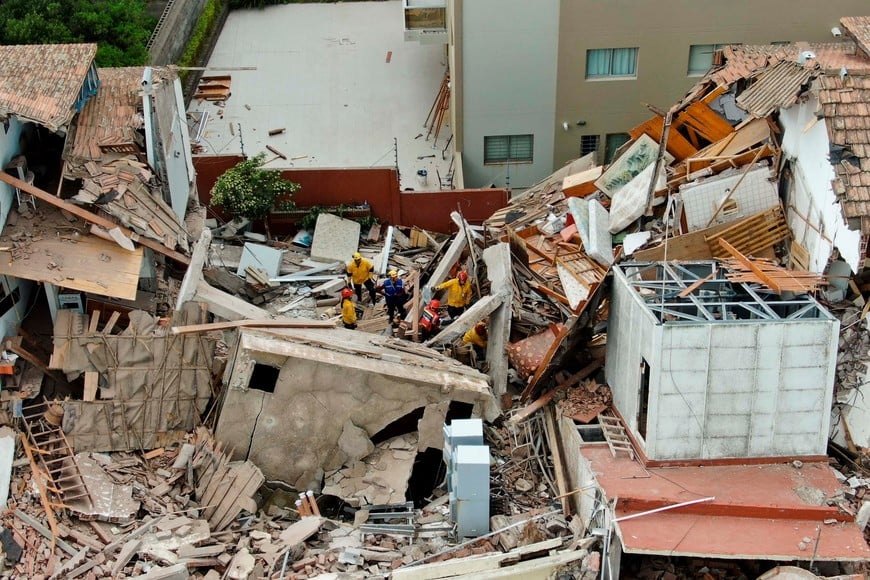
(213, 88)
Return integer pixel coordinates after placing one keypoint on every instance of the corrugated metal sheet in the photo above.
(776, 87)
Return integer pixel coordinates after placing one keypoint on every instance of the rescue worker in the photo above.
(393, 289)
(348, 310)
(477, 337)
(430, 322)
(359, 274)
(458, 293)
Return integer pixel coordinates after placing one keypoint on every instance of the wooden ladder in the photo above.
(614, 433)
(47, 446)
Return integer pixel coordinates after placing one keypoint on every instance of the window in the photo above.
(588, 144)
(508, 148)
(611, 62)
(264, 378)
(701, 57)
(612, 142)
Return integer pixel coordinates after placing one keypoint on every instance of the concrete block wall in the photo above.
(181, 17)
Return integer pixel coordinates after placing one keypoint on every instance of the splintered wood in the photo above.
(743, 269)
(223, 488)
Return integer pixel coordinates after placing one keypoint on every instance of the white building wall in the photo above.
(805, 143)
(757, 389)
(9, 148)
(508, 85)
(633, 335)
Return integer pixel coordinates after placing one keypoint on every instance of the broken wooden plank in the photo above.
(91, 217)
(230, 324)
(45, 532)
(747, 263)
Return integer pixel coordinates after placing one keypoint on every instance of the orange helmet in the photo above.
(434, 305)
(463, 277)
(346, 293)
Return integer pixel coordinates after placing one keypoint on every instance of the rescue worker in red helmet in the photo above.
(458, 293)
(430, 322)
(477, 337)
(348, 310)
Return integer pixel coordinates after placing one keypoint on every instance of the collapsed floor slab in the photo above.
(302, 402)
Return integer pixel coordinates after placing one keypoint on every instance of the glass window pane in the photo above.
(521, 148)
(613, 142)
(495, 149)
(598, 62)
(624, 62)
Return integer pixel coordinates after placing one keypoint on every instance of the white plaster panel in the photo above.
(679, 448)
(764, 400)
(687, 336)
(733, 358)
(769, 356)
(726, 447)
(688, 359)
(759, 445)
(732, 335)
(724, 404)
(682, 405)
(685, 382)
(727, 424)
(756, 193)
(731, 381)
(669, 429)
(804, 379)
(793, 402)
(806, 144)
(807, 333)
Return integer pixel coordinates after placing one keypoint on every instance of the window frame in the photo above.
(584, 150)
(713, 48)
(610, 75)
(509, 148)
(608, 154)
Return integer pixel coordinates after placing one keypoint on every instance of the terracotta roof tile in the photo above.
(41, 83)
(858, 28)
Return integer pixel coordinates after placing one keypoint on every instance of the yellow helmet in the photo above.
(357, 256)
(393, 273)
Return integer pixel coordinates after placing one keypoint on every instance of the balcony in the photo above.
(425, 21)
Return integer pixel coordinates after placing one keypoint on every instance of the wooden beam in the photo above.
(762, 276)
(286, 323)
(556, 452)
(698, 283)
(539, 403)
(92, 217)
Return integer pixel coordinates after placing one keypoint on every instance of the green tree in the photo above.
(120, 28)
(247, 190)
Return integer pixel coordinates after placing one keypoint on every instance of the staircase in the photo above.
(50, 452)
(614, 433)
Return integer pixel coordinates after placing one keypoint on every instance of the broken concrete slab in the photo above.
(174, 572)
(335, 238)
(260, 257)
(430, 427)
(110, 501)
(370, 380)
(498, 268)
(300, 531)
(600, 245)
(354, 442)
(383, 478)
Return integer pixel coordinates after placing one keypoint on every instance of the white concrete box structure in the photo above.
(719, 370)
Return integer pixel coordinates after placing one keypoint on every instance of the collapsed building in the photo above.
(668, 338)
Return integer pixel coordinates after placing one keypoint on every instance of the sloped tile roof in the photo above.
(745, 61)
(858, 28)
(778, 86)
(41, 83)
(111, 117)
(845, 104)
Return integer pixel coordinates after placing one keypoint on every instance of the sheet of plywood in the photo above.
(89, 264)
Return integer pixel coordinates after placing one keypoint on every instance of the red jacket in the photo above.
(430, 320)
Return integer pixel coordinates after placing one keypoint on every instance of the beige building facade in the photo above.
(536, 83)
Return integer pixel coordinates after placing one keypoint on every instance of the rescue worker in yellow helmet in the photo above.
(359, 274)
(348, 310)
(458, 293)
(393, 289)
